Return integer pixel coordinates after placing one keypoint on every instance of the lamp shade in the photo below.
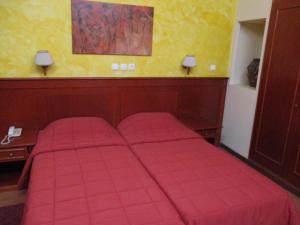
(189, 61)
(43, 58)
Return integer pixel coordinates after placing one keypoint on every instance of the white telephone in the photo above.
(12, 132)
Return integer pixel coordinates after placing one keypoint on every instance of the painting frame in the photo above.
(111, 29)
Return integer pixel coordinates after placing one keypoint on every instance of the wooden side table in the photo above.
(209, 130)
(13, 156)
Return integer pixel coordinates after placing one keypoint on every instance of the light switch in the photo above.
(123, 67)
(131, 66)
(213, 67)
(115, 66)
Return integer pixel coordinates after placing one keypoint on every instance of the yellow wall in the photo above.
(199, 27)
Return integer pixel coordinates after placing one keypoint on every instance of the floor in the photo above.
(297, 201)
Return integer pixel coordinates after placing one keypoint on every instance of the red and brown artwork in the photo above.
(111, 29)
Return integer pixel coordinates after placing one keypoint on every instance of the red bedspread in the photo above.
(207, 185)
(154, 127)
(84, 174)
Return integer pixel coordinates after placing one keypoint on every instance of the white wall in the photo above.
(249, 42)
(238, 118)
(253, 9)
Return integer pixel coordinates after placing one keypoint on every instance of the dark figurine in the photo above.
(253, 69)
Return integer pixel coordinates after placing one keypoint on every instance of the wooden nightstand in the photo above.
(209, 130)
(13, 157)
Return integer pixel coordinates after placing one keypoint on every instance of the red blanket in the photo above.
(154, 127)
(207, 185)
(72, 133)
(83, 173)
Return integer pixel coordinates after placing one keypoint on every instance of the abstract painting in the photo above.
(111, 29)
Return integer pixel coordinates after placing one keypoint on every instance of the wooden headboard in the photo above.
(33, 103)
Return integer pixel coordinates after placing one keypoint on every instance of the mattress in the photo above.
(83, 173)
(207, 185)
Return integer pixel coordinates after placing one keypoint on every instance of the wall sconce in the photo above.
(43, 59)
(188, 63)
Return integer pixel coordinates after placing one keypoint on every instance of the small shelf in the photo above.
(9, 175)
(13, 157)
(250, 37)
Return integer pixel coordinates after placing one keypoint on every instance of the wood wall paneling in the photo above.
(80, 102)
(34, 103)
(147, 99)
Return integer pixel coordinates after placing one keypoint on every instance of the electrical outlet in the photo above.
(123, 67)
(131, 66)
(115, 66)
(213, 67)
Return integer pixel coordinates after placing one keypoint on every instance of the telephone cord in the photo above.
(6, 140)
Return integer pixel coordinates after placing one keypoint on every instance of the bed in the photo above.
(83, 173)
(206, 185)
